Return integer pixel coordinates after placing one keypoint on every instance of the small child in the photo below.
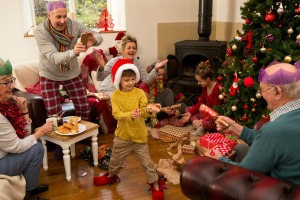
(129, 107)
(210, 97)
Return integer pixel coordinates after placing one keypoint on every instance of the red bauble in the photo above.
(232, 93)
(247, 21)
(254, 59)
(244, 118)
(248, 82)
(297, 10)
(270, 17)
(229, 51)
(246, 106)
(220, 78)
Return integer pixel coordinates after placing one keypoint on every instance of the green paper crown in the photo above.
(5, 68)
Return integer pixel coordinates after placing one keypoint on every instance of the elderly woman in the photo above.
(20, 152)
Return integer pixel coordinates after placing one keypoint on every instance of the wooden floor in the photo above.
(133, 184)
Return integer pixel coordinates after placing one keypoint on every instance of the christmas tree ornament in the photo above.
(220, 78)
(298, 37)
(221, 89)
(244, 118)
(280, 9)
(247, 21)
(233, 108)
(238, 36)
(255, 59)
(253, 109)
(221, 96)
(290, 31)
(246, 106)
(263, 49)
(248, 82)
(288, 59)
(229, 51)
(258, 14)
(234, 47)
(297, 10)
(270, 17)
(252, 99)
(258, 95)
(234, 87)
(270, 37)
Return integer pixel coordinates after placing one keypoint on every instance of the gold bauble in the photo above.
(252, 99)
(263, 50)
(233, 108)
(221, 89)
(290, 31)
(298, 37)
(221, 96)
(253, 109)
(258, 95)
(234, 47)
(287, 59)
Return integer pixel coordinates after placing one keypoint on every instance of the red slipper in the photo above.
(158, 194)
(104, 180)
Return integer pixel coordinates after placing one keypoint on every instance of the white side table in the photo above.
(68, 142)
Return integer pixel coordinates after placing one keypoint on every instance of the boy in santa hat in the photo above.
(129, 107)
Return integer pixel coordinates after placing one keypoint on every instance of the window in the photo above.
(86, 11)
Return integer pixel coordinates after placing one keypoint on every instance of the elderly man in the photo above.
(275, 147)
(57, 40)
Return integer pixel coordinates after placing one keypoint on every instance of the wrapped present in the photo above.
(188, 149)
(169, 133)
(223, 148)
(211, 140)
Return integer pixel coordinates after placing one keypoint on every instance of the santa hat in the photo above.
(120, 35)
(119, 67)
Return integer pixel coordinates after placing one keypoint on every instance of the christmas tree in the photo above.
(105, 20)
(271, 32)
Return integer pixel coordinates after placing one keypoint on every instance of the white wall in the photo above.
(142, 17)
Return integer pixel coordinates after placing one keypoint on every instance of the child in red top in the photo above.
(210, 97)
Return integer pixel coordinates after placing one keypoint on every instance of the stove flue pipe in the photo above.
(204, 19)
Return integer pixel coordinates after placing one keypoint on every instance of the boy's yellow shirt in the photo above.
(123, 103)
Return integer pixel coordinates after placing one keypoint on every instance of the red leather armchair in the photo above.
(205, 178)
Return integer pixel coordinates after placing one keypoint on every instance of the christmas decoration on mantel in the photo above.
(105, 21)
(271, 31)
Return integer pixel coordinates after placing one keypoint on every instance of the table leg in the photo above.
(95, 149)
(67, 162)
(72, 147)
(45, 158)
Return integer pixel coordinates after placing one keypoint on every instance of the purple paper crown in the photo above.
(53, 5)
(281, 77)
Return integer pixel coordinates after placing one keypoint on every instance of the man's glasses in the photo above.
(8, 83)
(259, 90)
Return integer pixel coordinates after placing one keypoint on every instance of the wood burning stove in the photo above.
(189, 53)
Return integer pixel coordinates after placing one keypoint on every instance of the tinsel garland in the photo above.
(15, 117)
(154, 90)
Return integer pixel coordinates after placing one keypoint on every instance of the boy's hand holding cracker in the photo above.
(153, 108)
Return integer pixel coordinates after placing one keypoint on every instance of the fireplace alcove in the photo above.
(188, 54)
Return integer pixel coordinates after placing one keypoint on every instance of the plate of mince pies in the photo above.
(70, 128)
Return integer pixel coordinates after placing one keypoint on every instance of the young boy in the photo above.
(129, 107)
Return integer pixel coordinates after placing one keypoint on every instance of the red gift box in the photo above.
(210, 140)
